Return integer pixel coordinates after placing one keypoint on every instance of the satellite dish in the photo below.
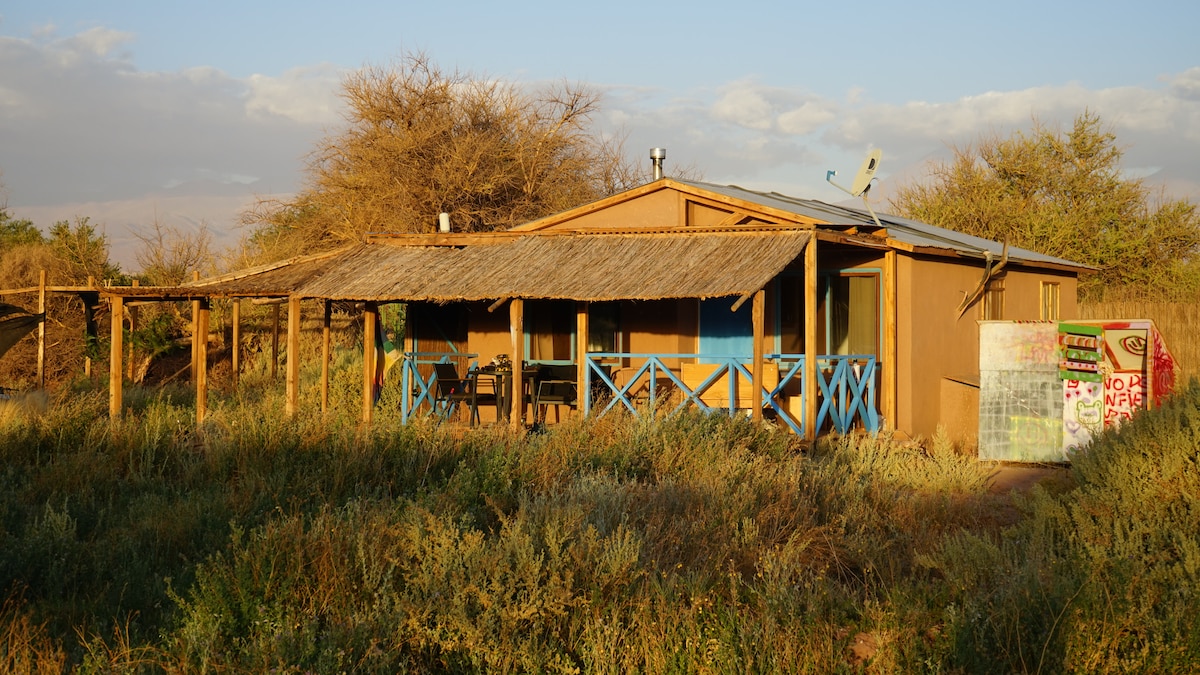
(862, 181)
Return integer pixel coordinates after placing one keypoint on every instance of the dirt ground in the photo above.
(1022, 477)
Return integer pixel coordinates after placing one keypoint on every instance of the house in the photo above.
(681, 292)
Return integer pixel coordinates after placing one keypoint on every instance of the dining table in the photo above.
(500, 379)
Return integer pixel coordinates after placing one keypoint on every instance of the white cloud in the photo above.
(744, 104)
(306, 95)
(1186, 85)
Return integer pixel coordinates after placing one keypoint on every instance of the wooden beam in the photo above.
(325, 356)
(581, 347)
(370, 317)
(237, 341)
(41, 348)
(732, 219)
(293, 355)
(810, 340)
(497, 305)
(889, 395)
(758, 319)
(200, 343)
(115, 351)
(516, 328)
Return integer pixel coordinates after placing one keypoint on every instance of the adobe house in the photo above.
(680, 292)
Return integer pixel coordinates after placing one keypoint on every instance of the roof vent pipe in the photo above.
(444, 222)
(657, 155)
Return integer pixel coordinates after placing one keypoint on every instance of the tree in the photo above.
(17, 232)
(421, 142)
(81, 253)
(1063, 195)
(168, 255)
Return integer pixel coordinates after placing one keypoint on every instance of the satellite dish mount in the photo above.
(862, 180)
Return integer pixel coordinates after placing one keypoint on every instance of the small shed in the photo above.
(1048, 388)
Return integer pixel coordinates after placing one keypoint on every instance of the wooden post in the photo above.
(811, 390)
(134, 311)
(370, 317)
(325, 356)
(200, 365)
(115, 350)
(516, 327)
(758, 319)
(195, 327)
(237, 341)
(581, 347)
(275, 341)
(41, 348)
(889, 395)
(87, 360)
(293, 354)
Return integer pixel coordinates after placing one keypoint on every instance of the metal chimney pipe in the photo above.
(657, 155)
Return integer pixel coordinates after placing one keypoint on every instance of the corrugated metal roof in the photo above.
(909, 232)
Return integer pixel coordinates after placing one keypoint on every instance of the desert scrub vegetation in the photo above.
(695, 543)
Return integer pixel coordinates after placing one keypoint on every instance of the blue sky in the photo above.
(131, 112)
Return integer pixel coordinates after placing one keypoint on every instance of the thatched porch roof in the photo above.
(575, 267)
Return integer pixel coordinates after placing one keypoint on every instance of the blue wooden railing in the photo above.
(846, 387)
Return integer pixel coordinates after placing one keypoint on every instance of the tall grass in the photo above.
(695, 543)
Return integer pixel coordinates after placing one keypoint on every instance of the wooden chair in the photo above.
(452, 390)
(555, 386)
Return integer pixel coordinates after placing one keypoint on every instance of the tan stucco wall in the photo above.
(934, 343)
(654, 210)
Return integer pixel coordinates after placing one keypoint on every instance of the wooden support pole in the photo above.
(325, 356)
(200, 345)
(41, 347)
(811, 390)
(293, 355)
(758, 319)
(134, 312)
(274, 341)
(236, 352)
(87, 360)
(889, 396)
(370, 318)
(516, 324)
(581, 348)
(116, 349)
(195, 328)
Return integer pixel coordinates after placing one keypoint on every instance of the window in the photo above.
(550, 330)
(604, 327)
(993, 300)
(853, 322)
(848, 313)
(1049, 301)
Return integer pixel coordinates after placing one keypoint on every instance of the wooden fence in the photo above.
(1178, 322)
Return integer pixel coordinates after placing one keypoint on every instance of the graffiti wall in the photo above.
(1048, 389)
(1020, 394)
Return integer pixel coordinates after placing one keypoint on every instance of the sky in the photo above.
(131, 113)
